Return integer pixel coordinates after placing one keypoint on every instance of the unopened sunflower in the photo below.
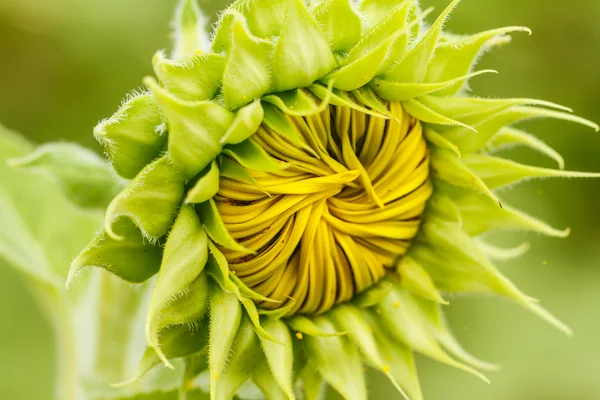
(308, 185)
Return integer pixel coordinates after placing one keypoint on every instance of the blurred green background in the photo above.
(66, 64)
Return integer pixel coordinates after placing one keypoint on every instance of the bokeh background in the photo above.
(66, 64)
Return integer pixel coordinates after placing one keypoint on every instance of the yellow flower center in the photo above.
(338, 217)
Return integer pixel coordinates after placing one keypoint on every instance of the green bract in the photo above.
(278, 128)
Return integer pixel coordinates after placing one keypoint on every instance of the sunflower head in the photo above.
(306, 185)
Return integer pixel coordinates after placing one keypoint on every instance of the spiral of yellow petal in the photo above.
(339, 217)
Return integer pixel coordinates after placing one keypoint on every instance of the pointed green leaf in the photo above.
(279, 122)
(307, 326)
(279, 356)
(185, 256)
(312, 383)
(233, 170)
(263, 377)
(339, 22)
(415, 279)
(264, 17)
(302, 53)
(425, 114)
(508, 137)
(209, 215)
(454, 58)
(151, 200)
(247, 75)
(413, 67)
(131, 258)
(298, 103)
(206, 186)
(502, 254)
(253, 157)
(245, 350)
(83, 176)
(246, 123)
(497, 172)
(337, 360)
(195, 78)
(189, 30)
(195, 130)
(373, 295)
(225, 317)
(134, 136)
(438, 140)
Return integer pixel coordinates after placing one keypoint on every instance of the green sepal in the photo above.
(454, 58)
(247, 75)
(194, 79)
(234, 170)
(189, 34)
(423, 113)
(446, 166)
(312, 383)
(405, 321)
(438, 140)
(339, 22)
(195, 129)
(361, 334)
(151, 200)
(386, 29)
(132, 258)
(225, 318)
(358, 73)
(480, 214)
(264, 17)
(245, 350)
(415, 279)
(373, 295)
(302, 53)
(375, 10)
(134, 136)
(502, 254)
(246, 123)
(206, 187)
(209, 215)
(498, 172)
(307, 326)
(83, 176)
(298, 103)
(403, 91)
(253, 157)
(442, 206)
(459, 266)
(413, 67)
(280, 356)
(509, 137)
(176, 341)
(262, 376)
(447, 340)
(279, 122)
(339, 98)
(367, 96)
(337, 360)
(184, 258)
(221, 41)
(401, 363)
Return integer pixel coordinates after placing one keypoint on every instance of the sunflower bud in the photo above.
(309, 188)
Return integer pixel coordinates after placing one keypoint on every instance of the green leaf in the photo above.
(134, 136)
(131, 257)
(150, 201)
(189, 30)
(195, 130)
(302, 53)
(373, 295)
(454, 58)
(509, 137)
(339, 22)
(195, 78)
(246, 122)
(225, 318)
(84, 177)
(184, 259)
(216, 229)
(245, 350)
(498, 172)
(415, 279)
(206, 186)
(253, 157)
(337, 360)
(247, 75)
(280, 356)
